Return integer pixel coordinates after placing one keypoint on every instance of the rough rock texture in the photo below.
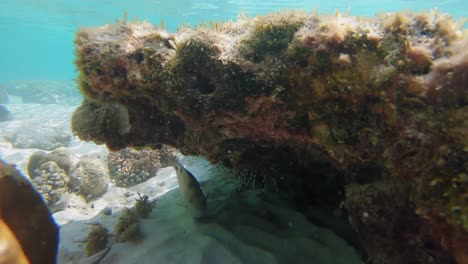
(92, 177)
(381, 100)
(52, 183)
(24, 211)
(61, 156)
(167, 155)
(129, 166)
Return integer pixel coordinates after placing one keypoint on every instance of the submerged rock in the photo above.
(52, 183)
(41, 137)
(61, 156)
(91, 177)
(129, 166)
(5, 115)
(378, 99)
(25, 213)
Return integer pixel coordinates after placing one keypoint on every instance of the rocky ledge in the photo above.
(291, 98)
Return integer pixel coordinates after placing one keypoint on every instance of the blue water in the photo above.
(37, 35)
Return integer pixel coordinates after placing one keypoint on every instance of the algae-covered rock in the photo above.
(131, 166)
(379, 99)
(102, 123)
(392, 231)
(92, 177)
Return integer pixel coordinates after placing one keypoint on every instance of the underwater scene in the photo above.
(223, 131)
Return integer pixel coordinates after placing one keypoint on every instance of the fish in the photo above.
(191, 191)
(10, 248)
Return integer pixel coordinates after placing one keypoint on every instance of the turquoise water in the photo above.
(37, 35)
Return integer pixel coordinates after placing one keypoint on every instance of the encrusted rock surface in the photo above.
(129, 166)
(52, 183)
(91, 177)
(24, 211)
(382, 100)
(61, 156)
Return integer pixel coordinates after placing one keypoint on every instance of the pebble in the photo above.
(128, 194)
(107, 211)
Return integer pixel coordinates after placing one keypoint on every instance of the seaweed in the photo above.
(143, 206)
(98, 238)
(127, 228)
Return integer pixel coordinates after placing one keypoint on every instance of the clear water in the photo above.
(37, 35)
(37, 44)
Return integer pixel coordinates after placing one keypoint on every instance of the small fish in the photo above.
(193, 196)
(10, 248)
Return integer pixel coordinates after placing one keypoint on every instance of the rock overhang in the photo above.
(382, 99)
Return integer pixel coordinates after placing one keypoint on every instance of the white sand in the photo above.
(248, 227)
(27, 116)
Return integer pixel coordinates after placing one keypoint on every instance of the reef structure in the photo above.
(383, 100)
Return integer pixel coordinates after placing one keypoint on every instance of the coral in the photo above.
(377, 99)
(127, 228)
(98, 238)
(51, 182)
(166, 154)
(129, 166)
(27, 216)
(143, 206)
(61, 156)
